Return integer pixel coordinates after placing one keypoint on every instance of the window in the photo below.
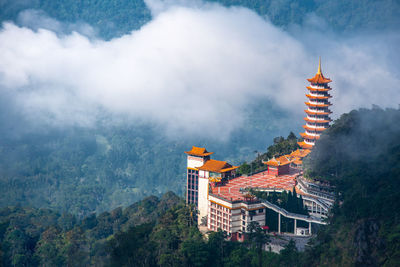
(260, 210)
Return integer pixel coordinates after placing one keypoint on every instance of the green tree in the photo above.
(257, 238)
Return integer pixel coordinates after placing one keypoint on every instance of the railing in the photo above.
(320, 194)
(290, 215)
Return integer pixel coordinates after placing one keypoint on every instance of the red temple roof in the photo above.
(198, 151)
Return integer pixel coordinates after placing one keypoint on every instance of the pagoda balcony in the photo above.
(319, 88)
(305, 145)
(306, 135)
(311, 96)
(327, 104)
(314, 128)
(310, 142)
(312, 112)
(317, 120)
(312, 133)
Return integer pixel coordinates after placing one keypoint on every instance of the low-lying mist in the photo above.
(194, 70)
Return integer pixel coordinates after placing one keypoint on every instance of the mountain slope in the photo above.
(360, 155)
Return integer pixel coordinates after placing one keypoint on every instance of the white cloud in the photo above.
(193, 69)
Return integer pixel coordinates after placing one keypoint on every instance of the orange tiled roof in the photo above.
(304, 145)
(281, 161)
(318, 97)
(319, 78)
(317, 113)
(213, 165)
(305, 135)
(300, 153)
(198, 151)
(317, 120)
(298, 161)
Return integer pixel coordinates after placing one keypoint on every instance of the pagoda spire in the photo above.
(317, 119)
(319, 66)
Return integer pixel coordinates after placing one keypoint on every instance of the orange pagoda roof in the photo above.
(281, 161)
(318, 89)
(318, 97)
(318, 105)
(304, 145)
(219, 166)
(198, 151)
(305, 135)
(317, 120)
(319, 77)
(317, 113)
(314, 129)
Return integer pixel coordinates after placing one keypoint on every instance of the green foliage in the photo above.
(281, 146)
(343, 15)
(115, 18)
(32, 237)
(360, 155)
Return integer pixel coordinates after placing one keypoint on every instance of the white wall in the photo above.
(203, 197)
(194, 162)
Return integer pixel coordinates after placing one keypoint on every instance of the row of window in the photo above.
(193, 176)
(193, 171)
(192, 186)
(220, 207)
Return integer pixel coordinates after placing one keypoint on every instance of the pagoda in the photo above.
(317, 119)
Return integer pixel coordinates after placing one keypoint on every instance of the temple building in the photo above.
(201, 170)
(226, 200)
(317, 119)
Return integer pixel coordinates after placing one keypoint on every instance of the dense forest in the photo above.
(359, 154)
(152, 232)
(80, 170)
(114, 18)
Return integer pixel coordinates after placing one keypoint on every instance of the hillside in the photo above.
(364, 225)
(360, 155)
(98, 168)
(33, 237)
(115, 18)
(80, 170)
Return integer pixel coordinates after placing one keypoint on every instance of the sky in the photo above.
(194, 69)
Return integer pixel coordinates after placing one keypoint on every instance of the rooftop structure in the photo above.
(317, 119)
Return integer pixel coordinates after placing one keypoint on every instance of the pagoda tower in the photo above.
(317, 119)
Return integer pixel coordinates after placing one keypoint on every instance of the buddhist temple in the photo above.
(317, 119)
